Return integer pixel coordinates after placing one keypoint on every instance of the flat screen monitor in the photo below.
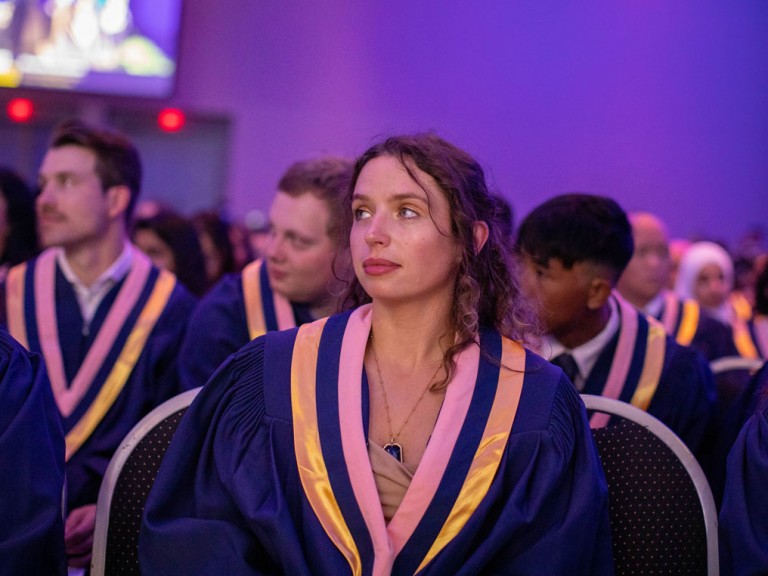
(115, 47)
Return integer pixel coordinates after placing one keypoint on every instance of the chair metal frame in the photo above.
(116, 464)
(736, 363)
(686, 457)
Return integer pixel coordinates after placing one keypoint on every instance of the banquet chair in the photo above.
(126, 485)
(732, 376)
(662, 514)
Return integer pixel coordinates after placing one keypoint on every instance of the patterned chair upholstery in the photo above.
(663, 516)
(126, 486)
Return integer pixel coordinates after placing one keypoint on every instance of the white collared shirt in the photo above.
(587, 354)
(655, 306)
(89, 297)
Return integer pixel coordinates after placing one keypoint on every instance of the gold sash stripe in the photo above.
(741, 305)
(652, 365)
(254, 313)
(488, 456)
(306, 437)
(688, 323)
(14, 297)
(743, 340)
(124, 365)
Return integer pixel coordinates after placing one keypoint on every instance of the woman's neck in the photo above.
(412, 336)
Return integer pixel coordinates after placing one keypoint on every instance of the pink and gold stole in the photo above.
(68, 397)
(622, 359)
(254, 303)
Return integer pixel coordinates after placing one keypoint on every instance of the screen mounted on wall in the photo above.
(115, 47)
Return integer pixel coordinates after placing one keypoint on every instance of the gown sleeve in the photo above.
(31, 466)
(227, 497)
(686, 396)
(192, 522)
(548, 513)
(743, 517)
(217, 328)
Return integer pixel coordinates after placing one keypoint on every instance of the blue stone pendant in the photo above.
(395, 450)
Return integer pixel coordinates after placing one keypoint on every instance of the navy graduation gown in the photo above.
(31, 466)
(261, 477)
(713, 339)
(684, 397)
(692, 326)
(219, 327)
(744, 514)
(152, 379)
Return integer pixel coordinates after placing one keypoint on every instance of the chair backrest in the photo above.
(126, 485)
(732, 376)
(663, 516)
(736, 363)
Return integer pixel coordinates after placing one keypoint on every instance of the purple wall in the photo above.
(662, 105)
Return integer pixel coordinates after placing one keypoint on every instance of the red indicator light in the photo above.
(171, 120)
(20, 109)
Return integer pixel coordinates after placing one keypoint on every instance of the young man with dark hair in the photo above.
(107, 322)
(573, 248)
(300, 278)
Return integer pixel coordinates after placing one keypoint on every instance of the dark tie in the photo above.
(568, 364)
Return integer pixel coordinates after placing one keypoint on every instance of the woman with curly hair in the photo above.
(412, 433)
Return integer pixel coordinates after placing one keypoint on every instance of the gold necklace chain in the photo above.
(393, 447)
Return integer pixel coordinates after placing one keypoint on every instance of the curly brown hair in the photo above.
(487, 290)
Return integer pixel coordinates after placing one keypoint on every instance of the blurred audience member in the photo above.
(257, 224)
(172, 243)
(239, 237)
(706, 275)
(643, 285)
(677, 247)
(743, 525)
(216, 242)
(758, 324)
(18, 226)
(744, 278)
(149, 207)
(300, 279)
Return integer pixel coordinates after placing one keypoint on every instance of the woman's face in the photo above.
(711, 288)
(157, 250)
(401, 242)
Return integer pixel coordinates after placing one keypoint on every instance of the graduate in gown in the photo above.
(643, 284)
(743, 520)
(706, 275)
(294, 283)
(758, 324)
(573, 249)
(412, 434)
(107, 322)
(31, 466)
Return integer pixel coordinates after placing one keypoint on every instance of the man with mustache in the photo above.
(107, 322)
(301, 277)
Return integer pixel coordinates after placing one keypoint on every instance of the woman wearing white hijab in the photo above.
(706, 275)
